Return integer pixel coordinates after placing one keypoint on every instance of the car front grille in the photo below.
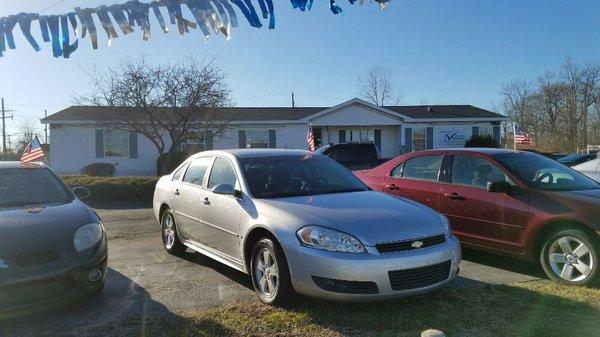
(419, 277)
(31, 259)
(401, 246)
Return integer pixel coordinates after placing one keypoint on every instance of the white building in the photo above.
(76, 140)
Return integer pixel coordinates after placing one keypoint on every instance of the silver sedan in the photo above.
(300, 223)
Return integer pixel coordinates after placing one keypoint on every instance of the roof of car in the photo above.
(18, 164)
(246, 153)
(484, 150)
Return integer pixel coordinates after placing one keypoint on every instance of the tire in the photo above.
(270, 274)
(571, 256)
(170, 237)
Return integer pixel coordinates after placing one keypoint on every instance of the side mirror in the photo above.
(226, 189)
(499, 187)
(81, 192)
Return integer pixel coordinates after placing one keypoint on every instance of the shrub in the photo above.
(168, 162)
(115, 189)
(99, 170)
(484, 140)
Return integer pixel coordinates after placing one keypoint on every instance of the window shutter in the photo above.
(208, 140)
(272, 139)
(475, 131)
(377, 136)
(342, 136)
(242, 138)
(408, 139)
(133, 145)
(429, 138)
(496, 132)
(99, 143)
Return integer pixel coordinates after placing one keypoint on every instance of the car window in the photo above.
(543, 173)
(222, 173)
(476, 172)
(22, 187)
(179, 172)
(422, 168)
(293, 176)
(196, 171)
(397, 171)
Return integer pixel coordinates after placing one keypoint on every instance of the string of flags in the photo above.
(210, 16)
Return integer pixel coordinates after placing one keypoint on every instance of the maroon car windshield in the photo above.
(22, 187)
(544, 173)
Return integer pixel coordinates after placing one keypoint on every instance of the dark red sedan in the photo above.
(515, 203)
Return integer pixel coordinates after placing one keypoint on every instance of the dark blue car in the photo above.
(53, 247)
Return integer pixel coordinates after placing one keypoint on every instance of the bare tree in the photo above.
(174, 103)
(27, 130)
(376, 86)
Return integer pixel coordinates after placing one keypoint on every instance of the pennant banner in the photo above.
(211, 16)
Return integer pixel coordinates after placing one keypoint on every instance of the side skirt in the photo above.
(216, 255)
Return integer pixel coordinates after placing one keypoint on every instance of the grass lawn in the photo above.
(537, 308)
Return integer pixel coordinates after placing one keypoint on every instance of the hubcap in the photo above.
(570, 258)
(168, 231)
(266, 272)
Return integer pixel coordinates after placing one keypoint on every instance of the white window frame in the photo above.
(249, 143)
(126, 153)
(422, 137)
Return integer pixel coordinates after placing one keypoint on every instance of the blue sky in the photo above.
(440, 51)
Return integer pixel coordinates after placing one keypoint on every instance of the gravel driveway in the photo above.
(144, 281)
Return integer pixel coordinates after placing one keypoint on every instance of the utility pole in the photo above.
(4, 117)
(46, 126)
(293, 101)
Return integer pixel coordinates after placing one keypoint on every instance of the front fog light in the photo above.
(94, 275)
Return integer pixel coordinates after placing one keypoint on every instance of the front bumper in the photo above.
(307, 265)
(31, 289)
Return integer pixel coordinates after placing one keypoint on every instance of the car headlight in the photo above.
(87, 236)
(447, 226)
(329, 239)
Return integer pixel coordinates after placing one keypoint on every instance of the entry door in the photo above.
(187, 196)
(417, 179)
(479, 217)
(220, 214)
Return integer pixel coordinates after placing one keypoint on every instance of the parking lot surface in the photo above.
(144, 281)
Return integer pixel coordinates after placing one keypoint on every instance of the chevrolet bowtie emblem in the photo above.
(417, 244)
(4, 265)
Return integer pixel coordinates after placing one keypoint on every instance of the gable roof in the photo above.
(296, 114)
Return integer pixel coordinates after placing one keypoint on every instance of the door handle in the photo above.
(206, 202)
(392, 187)
(176, 192)
(454, 196)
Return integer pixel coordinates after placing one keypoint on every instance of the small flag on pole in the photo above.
(33, 152)
(521, 137)
(310, 138)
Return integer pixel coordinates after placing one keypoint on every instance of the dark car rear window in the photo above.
(23, 186)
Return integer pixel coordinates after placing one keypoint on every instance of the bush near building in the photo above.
(115, 189)
(485, 140)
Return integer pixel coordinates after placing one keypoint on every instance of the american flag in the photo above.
(33, 152)
(521, 137)
(310, 138)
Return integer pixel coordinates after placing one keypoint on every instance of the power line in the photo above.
(51, 6)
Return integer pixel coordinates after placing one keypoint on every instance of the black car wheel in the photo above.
(570, 256)
(170, 237)
(270, 273)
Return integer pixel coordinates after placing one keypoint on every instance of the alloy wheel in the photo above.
(266, 272)
(168, 231)
(571, 259)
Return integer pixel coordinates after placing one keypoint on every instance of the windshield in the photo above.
(543, 173)
(23, 187)
(291, 176)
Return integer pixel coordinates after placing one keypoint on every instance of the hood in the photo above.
(372, 217)
(45, 228)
